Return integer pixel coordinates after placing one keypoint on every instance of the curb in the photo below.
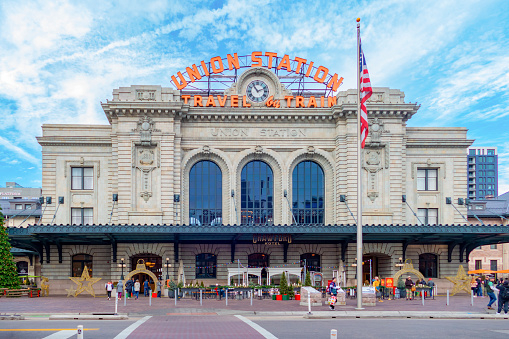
(12, 317)
(88, 317)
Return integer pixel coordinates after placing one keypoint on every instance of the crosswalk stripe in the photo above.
(62, 334)
(125, 333)
(266, 334)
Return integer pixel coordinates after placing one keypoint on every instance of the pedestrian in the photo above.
(491, 293)
(137, 288)
(473, 286)
(145, 288)
(376, 285)
(479, 286)
(129, 285)
(158, 287)
(503, 297)
(409, 284)
(333, 290)
(120, 286)
(431, 284)
(109, 287)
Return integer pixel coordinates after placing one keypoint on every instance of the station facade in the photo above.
(260, 174)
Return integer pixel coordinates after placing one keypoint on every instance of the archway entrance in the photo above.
(376, 264)
(153, 263)
(141, 270)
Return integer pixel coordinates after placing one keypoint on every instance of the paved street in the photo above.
(265, 319)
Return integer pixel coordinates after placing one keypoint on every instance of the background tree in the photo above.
(283, 284)
(8, 271)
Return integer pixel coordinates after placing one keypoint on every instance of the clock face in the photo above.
(257, 91)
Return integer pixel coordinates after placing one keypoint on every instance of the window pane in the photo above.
(76, 216)
(88, 216)
(76, 178)
(422, 215)
(256, 204)
(205, 194)
(308, 193)
(433, 216)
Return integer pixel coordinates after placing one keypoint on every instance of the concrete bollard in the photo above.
(176, 295)
(252, 291)
(201, 299)
(333, 334)
(309, 303)
(116, 304)
(150, 297)
(226, 296)
(447, 298)
(80, 332)
(472, 297)
(422, 298)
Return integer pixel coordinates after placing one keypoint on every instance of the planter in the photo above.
(286, 297)
(154, 294)
(171, 294)
(279, 297)
(297, 297)
(274, 297)
(402, 293)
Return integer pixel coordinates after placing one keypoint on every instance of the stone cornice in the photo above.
(403, 111)
(73, 141)
(444, 143)
(139, 108)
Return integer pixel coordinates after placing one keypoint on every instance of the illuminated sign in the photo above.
(241, 101)
(216, 65)
(271, 239)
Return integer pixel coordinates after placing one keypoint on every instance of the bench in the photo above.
(17, 293)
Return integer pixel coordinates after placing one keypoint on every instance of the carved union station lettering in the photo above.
(264, 132)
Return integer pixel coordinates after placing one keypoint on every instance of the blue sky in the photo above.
(60, 59)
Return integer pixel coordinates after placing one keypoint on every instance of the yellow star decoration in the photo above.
(461, 281)
(71, 292)
(85, 277)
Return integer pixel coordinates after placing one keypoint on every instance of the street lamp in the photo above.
(167, 265)
(122, 265)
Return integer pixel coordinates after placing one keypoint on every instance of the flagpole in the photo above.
(359, 182)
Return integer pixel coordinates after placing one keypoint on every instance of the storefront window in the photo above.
(79, 261)
(428, 265)
(206, 265)
(205, 194)
(312, 262)
(308, 190)
(256, 200)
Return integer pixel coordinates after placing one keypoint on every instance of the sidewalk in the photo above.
(459, 307)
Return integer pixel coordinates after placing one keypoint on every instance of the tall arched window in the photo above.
(257, 184)
(428, 265)
(205, 194)
(79, 261)
(308, 190)
(206, 265)
(311, 260)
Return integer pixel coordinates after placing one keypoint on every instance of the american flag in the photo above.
(365, 94)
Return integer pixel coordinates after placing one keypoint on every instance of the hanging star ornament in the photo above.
(461, 281)
(89, 283)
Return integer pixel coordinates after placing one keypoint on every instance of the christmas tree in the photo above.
(307, 281)
(283, 284)
(8, 272)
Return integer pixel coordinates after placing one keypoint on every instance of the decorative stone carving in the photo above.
(145, 128)
(146, 95)
(311, 150)
(372, 164)
(144, 159)
(376, 129)
(206, 149)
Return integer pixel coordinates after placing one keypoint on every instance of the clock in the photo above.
(257, 91)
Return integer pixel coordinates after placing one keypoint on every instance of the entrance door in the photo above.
(153, 263)
(369, 268)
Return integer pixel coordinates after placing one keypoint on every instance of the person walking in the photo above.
(408, 287)
(503, 297)
(479, 286)
(137, 288)
(109, 287)
(129, 285)
(120, 286)
(333, 290)
(146, 288)
(491, 293)
(431, 284)
(158, 287)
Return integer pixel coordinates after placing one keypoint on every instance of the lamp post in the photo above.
(167, 265)
(122, 265)
(400, 264)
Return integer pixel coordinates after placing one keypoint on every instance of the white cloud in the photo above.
(19, 151)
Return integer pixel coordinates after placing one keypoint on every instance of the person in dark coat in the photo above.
(503, 297)
(129, 288)
(408, 286)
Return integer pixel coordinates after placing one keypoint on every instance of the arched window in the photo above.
(257, 184)
(308, 189)
(259, 260)
(311, 260)
(79, 261)
(205, 194)
(206, 265)
(22, 267)
(428, 265)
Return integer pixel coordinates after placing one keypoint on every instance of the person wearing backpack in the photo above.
(333, 293)
(491, 293)
(503, 297)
